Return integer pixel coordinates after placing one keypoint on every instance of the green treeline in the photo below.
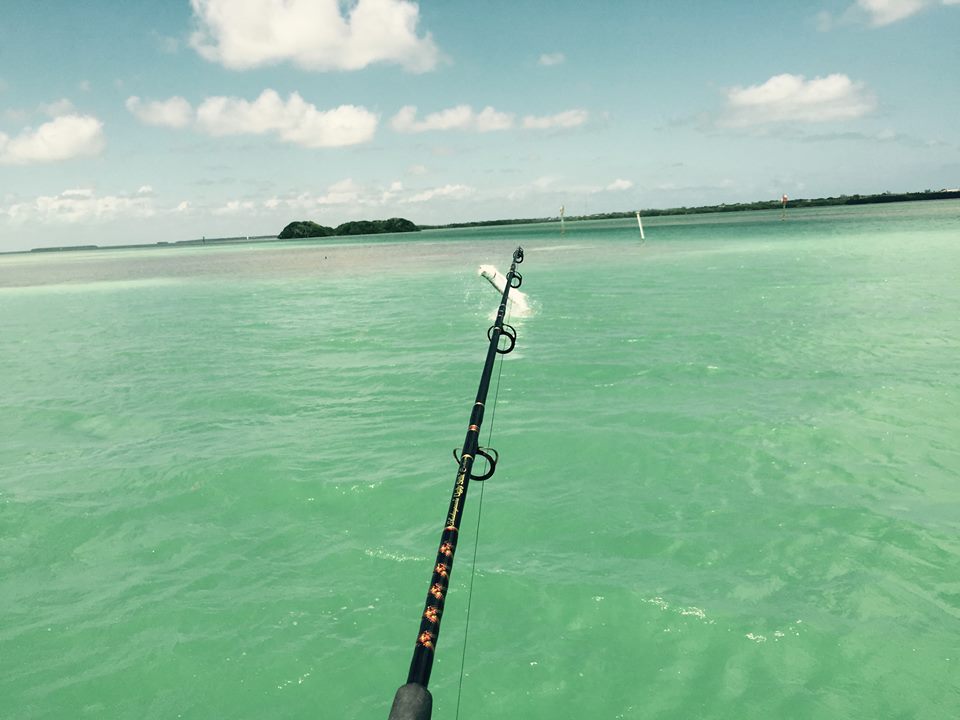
(798, 203)
(309, 229)
(514, 221)
(886, 197)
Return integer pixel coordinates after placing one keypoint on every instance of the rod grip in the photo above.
(412, 702)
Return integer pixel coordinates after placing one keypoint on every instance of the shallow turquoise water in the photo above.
(728, 487)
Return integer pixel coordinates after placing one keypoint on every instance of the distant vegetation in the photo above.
(886, 197)
(512, 221)
(305, 229)
(310, 229)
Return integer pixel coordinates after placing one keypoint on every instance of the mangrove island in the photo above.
(309, 229)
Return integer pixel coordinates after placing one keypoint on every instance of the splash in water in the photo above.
(519, 305)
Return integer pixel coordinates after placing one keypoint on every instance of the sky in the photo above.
(145, 121)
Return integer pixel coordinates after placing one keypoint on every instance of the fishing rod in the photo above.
(413, 701)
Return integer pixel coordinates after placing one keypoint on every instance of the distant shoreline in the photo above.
(952, 194)
(887, 197)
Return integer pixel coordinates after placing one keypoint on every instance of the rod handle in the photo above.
(412, 702)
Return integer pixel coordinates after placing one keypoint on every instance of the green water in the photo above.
(728, 484)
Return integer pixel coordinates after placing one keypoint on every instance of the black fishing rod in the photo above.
(413, 701)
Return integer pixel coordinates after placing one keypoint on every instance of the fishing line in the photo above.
(476, 542)
(413, 700)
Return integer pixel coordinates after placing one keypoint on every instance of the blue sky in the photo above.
(143, 121)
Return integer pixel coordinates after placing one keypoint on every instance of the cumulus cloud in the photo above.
(312, 34)
(565, 119)
(461, 117)
(793, 98)
(405, 120)
(234, 207)
(346, 193)
(79, 205)
(446, 191)
(62, 138)
(293, 120)
(340, 193)
(884, 12)
(489, 120)
(552, 186)
(878, 13)
(548, 59)
(175, 112)
(396, 187)
(464, 117)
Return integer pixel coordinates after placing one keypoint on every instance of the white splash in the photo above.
(518, 304)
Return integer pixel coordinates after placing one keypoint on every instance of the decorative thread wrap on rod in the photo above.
(413, 700)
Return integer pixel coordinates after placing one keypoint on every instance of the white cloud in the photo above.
(461, 117)
(447, 191)
(453, 118)
(145, 190)
(489, 120)
(234, 207)
(545, 181)
(552, 186)
(313, 34)
(293, 120)
(548, 59)
(396, 187)
(793, 98)
(884, 12)
(543, 184)
(340, 193)
(417, 170)
(565, 119)
(175, 112)
(345, 192)
(464, 117)
(62, 138)
(340, 199)
(877, 13)
(79, 205)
